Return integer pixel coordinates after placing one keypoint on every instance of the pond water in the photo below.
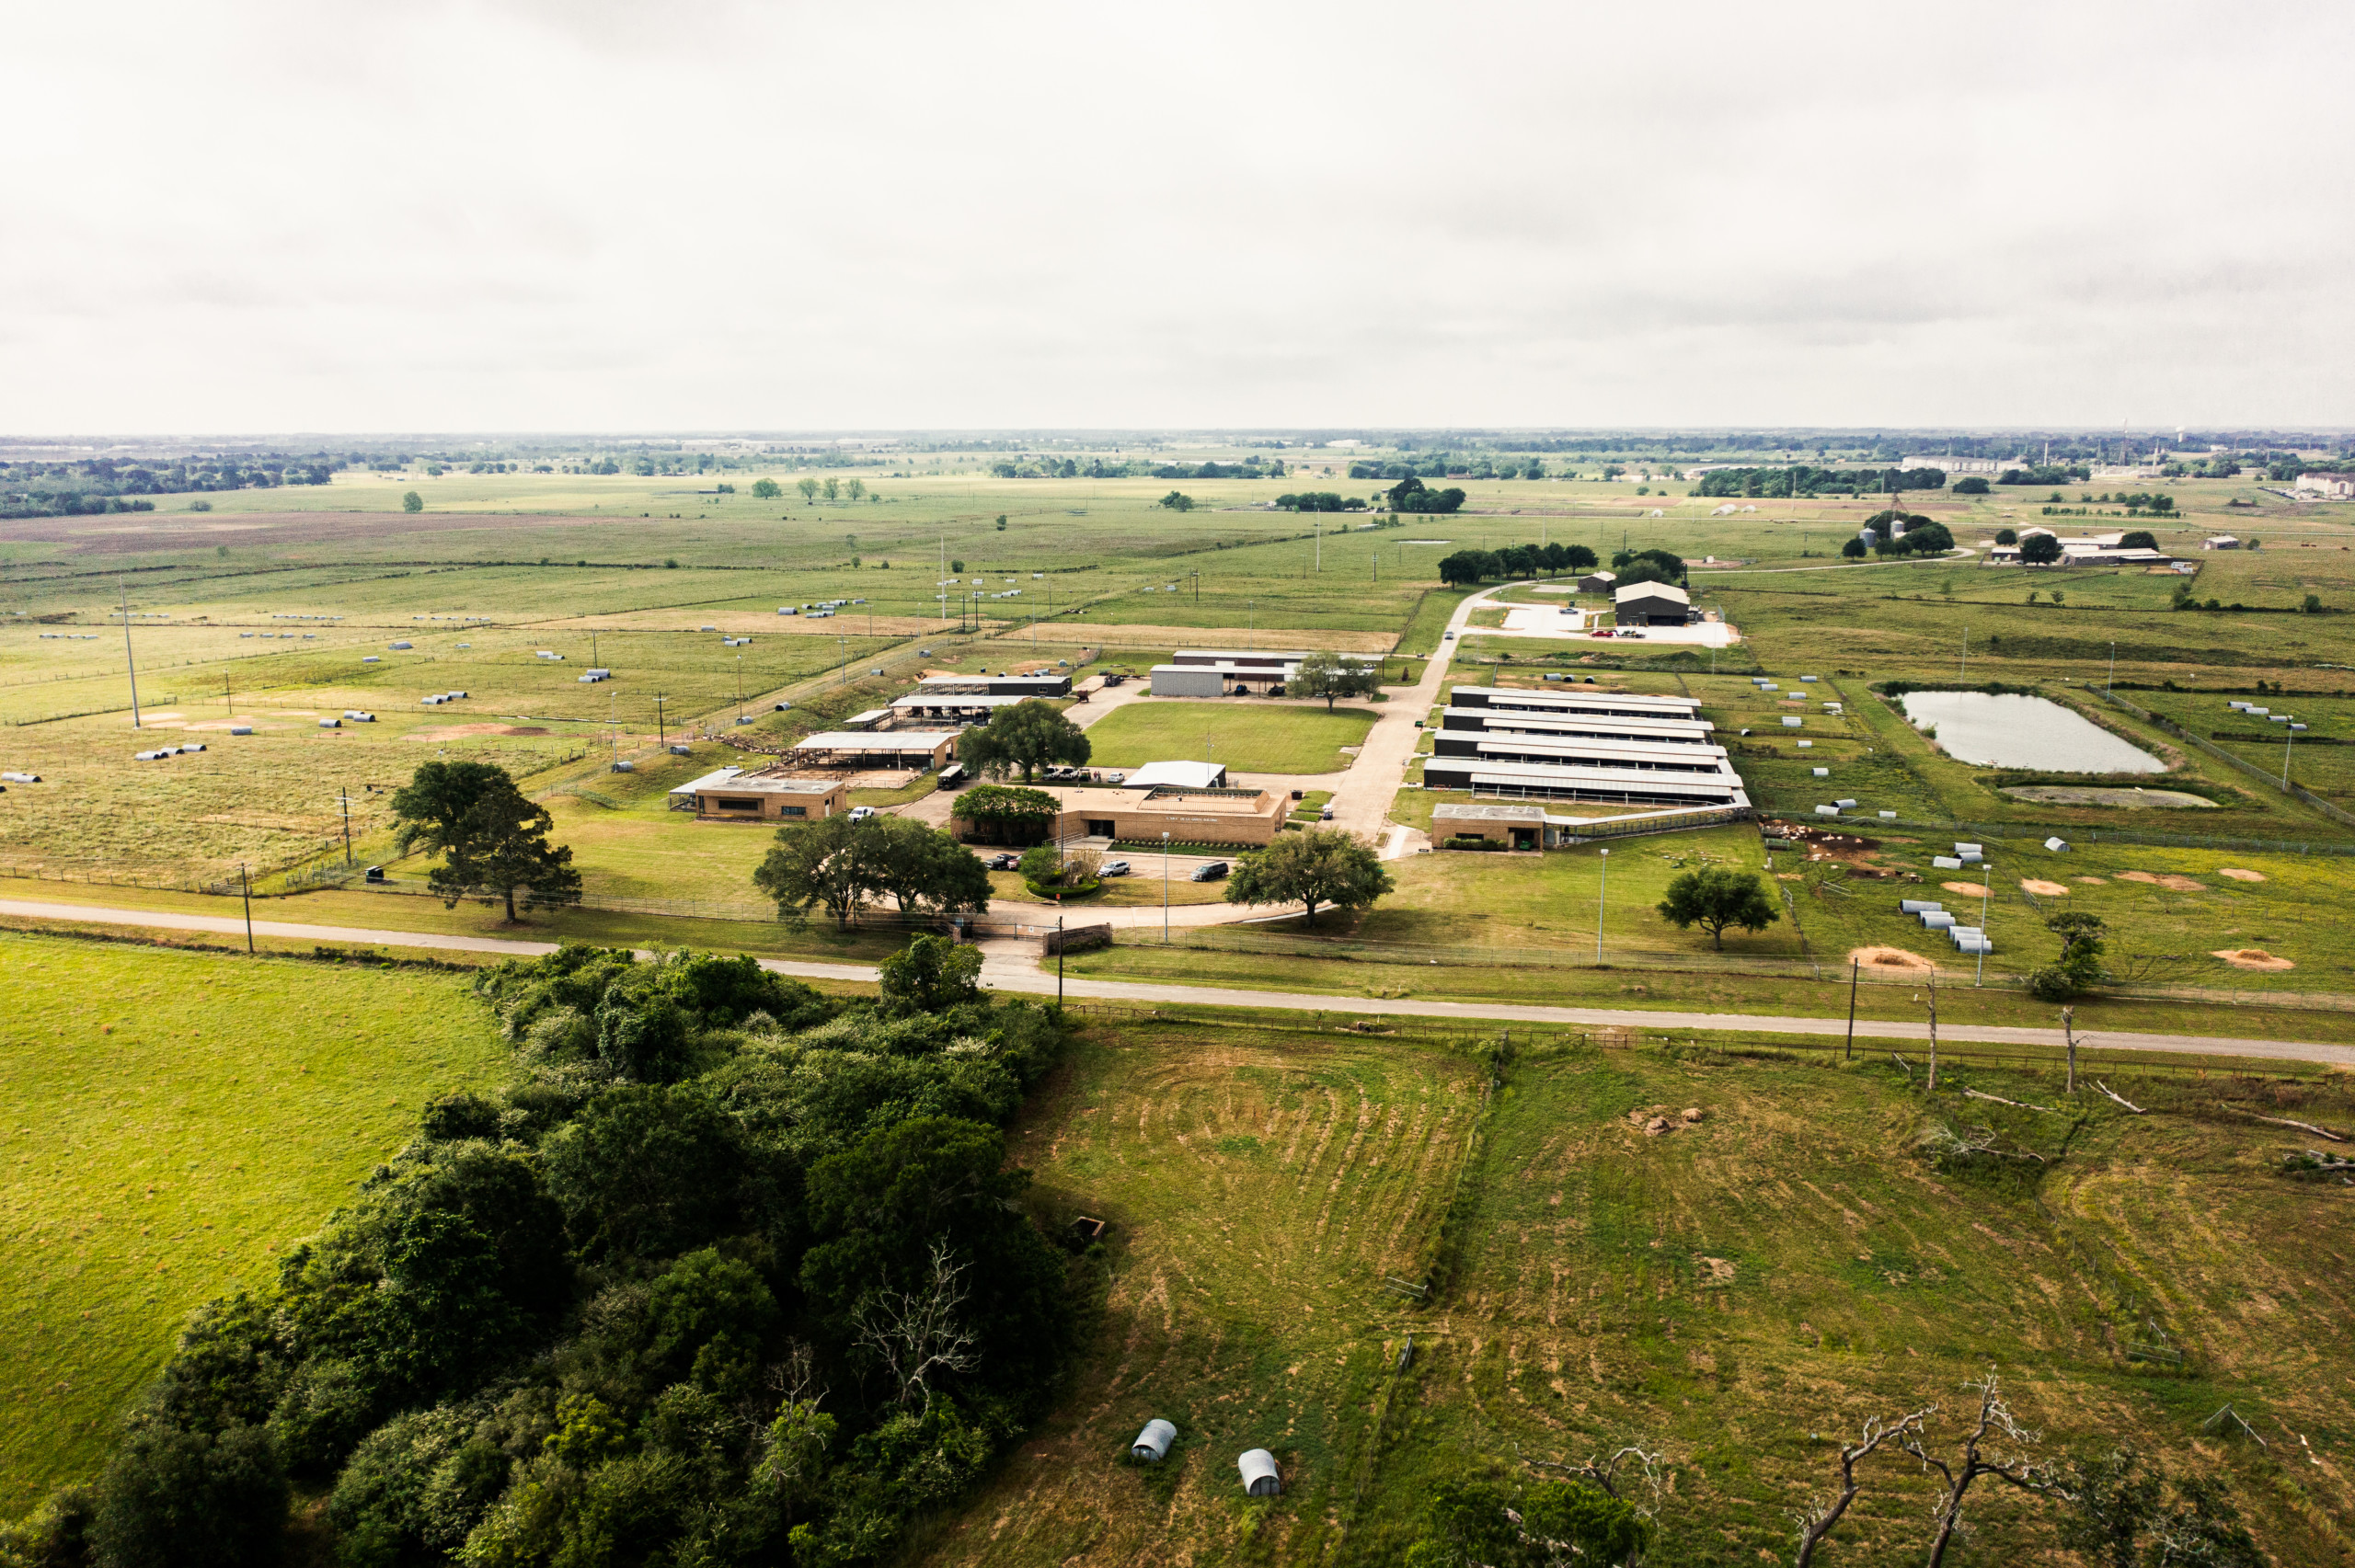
(2006, 730)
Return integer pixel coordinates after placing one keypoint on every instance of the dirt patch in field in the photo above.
(2131, 798)
(2251, 958)
(2240, 874)
(162, 531)
(2042, 889)
(1888, 958)
(1968, 889)
(1859, 853)
(2169, 880)
(460, 731)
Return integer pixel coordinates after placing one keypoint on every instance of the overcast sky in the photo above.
(599, 215)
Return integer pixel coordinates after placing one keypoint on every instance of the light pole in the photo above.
(129, 665)
(347, 827)
(246, 882)
(662, 736)
(1600, 895)
(2112, 679)
(2288, 741)
(1165, 889)
(1250, 625)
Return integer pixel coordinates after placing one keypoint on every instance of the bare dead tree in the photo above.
(1819, 1522)
(2302, 1126)
(915, 1333)
(1994, 1416)
(1947, 1143)
(2069, 1033)
(2016, 1104)
(1933, 1087)
(2119, 1098)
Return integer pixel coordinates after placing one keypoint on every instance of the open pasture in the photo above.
(1737, 1294)
(177, 1122)
(1248, 734)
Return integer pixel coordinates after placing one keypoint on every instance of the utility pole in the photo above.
(2287, 741)
(1965, 672)
(2069, 1034)
(131, 669)
(1986, 887)
(2111, 680)
(347, 827)
(246, 882)
(1165, 889)
(662, 736)
(1059, 963)
(1850, 1054)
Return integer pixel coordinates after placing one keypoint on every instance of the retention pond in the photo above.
(2006, 730)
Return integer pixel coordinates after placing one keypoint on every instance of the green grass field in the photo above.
(1249, 736)
(1737, 1294)
(176, 1122)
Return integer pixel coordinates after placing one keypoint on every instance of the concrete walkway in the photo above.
(1013, 967)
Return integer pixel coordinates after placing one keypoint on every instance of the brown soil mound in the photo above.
(1888, 958)
(2240, 874)
(458, 731)
(2170, 880)
(1968, 889)
(2251, 958)
(2044, 889)
(2094, 881)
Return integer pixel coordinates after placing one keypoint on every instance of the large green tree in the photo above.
(832, 862)
(1008, 815)
(1332, 675)
(1321, 866)
(923, 869)
(490, 838)
(1716, 897)
(1031, 735)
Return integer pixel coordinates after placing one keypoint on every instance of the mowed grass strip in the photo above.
(174, 1123)
(1736, 1293)
(1248, 735)
(1259, 1186)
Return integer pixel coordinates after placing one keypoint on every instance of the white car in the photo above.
(1113, 868)
(861, 813)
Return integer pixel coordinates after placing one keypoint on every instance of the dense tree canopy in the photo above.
(1716, 897)
(1032, 735)
(768, 1305)
(1334, 675)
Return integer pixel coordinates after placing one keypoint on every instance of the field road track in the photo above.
(1362, 803)
(1011, 966)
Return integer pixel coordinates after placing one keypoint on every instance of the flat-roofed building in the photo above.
(1203, 672)
(1613, 786)
(987, 685)
(1178, 775)
(1508, 721)
(1582, 701)
(1575, 751)
(1242, 818)
(871, 749)
(950, 707)
(762, 797)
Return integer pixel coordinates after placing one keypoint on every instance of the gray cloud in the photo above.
(550, 213)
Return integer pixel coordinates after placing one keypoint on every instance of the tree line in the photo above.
(734, 1272)
(1802, 479)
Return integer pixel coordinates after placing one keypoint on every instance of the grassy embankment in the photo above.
(1737, 1295)
(177, 1121)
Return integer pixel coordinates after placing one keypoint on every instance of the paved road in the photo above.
(1012, 966)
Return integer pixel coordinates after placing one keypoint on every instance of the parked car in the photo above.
(861, 813)
(1113, 868)
(1116, 777)
(1210, 871)
(1605, 632)
(1004, 862)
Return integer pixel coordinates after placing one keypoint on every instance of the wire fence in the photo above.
(2282, 784)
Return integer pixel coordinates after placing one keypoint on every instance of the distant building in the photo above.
(1178, 775)
(2220, 542)
(2326, 487)
(1652, 604)
(1598, 582)
(1241, 818)
(1214, 672)
(1953, 465)
(761, 798)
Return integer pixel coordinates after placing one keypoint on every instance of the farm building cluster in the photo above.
(1505, 745)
